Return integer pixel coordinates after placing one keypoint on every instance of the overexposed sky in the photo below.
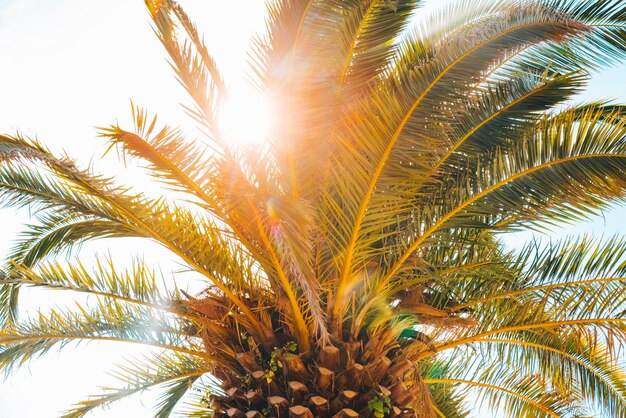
(67, 66)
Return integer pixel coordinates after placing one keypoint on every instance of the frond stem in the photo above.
(114, 339)
(537, 288)
(346, 64)
(514, 328)
(438, 411)
(302, 331)
(482, 123)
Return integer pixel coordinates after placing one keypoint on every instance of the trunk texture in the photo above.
(336, 382)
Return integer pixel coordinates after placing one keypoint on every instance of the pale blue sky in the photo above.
(69, 65)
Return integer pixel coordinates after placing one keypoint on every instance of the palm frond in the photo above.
(488, 120)
(371, 30)
(138, 284)
(194, 66)
(604, 44)
(55, 233)
(174, 374)
(108, 321)
(579, 153)
(420, 99)
(515, 395)
(184, 165)
(567, 362)
(547, 267)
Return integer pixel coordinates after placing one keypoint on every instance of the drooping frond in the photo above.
(585, 153)
(604, 44)
(194, 66)
(110, 321)
(570, 364)
(174, 374)
(553, 267)
(514, 395)
(56, 232)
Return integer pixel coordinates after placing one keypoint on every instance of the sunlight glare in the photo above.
(245, 117)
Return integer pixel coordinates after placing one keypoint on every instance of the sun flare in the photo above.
(245, 117)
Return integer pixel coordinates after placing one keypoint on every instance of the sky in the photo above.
(68, 66)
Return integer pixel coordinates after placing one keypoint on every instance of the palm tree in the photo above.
(353, 266)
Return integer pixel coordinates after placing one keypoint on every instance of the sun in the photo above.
(244, 118)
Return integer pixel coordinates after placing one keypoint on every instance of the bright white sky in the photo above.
(69, 65)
